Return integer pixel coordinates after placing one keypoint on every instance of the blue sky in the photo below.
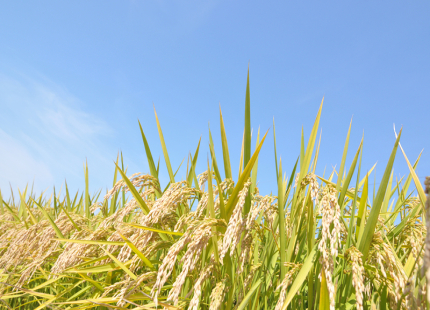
(75, 76)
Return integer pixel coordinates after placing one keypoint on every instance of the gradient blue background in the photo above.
(75, 76)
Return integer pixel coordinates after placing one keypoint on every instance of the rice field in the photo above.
(211, 241)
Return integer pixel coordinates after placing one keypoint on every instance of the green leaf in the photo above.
(45, 304)
(301, 277)
(31, 292)
(96, 269)
(247, 140)
(349, 176)
(70, 218)
(247, 135)
(255, 168)
(398, 229)
(54, 226)
(193, 165)
(87, 192)
(411, 262)
(22, 209)
(248, 296)
(33, 219)
(241, 156)
(421, 193)
(95, 283)
(134, 192)
(69, 203)
(98, 242)
(317, 153)
(281, 210)
(46, 283)
(1, 204)
(212, 213)
(361, 217)
(214, 162)
(342, 164)
(369, 229)
(274, 146)
(226, 156)
(387, 197)
(138, 253)
(151, 164)
(324, 294)
(163, 145)
(302, 149)
(243, 177)
(304, 166)
(13, 213)
(120, 264)
(155, 229)
(311, 143)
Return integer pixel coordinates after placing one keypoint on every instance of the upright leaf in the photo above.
(226, 156)
(247, 139)
(134, 192)
(50, 220)
(369, 229)
(163, 145)
(342, 164)
(362, 210)
(1, 204)
(151, 164)
(243, 177)
(304, 166)
(212, 213)
(281, 210)
(324, 294)
(193, 165)
(255, 168)
(87, 192)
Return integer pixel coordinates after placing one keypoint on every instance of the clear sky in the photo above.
(75, 76)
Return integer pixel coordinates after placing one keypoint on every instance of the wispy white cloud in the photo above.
(18, 166)
(64, 120)
(46, 133)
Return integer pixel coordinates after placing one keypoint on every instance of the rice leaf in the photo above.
(243, 177)
(134, 192)
(137, 252)
(342, 163)
(324, 295)
(155, 229)
(87, 192)
(151, 164)
(46, 215)
(163, 145)
(193, 165)
(369, 229)
(98, 242)
(226, 156)
(123, 267)
(301, 277)
(248, 296)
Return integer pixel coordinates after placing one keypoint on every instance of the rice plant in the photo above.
(212, 242)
